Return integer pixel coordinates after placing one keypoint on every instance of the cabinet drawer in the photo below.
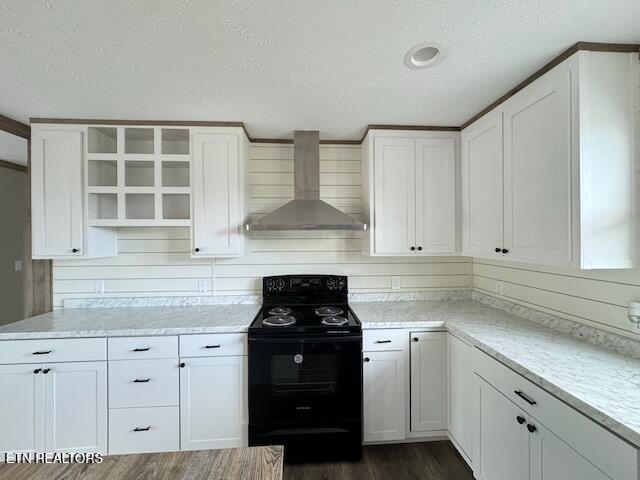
(142, 348)
(612, 455)
(143, 383)
(53, 350)
(384, 339)
(213, 345)
(140, 430)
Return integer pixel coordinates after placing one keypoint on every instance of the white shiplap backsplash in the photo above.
(156, 262)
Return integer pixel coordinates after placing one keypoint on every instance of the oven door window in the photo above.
(308, 380)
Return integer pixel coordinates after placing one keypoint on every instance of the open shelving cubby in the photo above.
(138, 176)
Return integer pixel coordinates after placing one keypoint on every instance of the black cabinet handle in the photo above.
(383, 341)
(182, 365)
(415, 339)
(413, 248)
(366, 359)
(524, 397)
(505, 251)
(142, 349)
(520, 419)
(498, 250)
(46, 352)
(531, 428)
(75, 250)
(37, 370)
(212, 346)
(46, 370)
(197, 250)
(420, 248)
(140, 429)
(141, 380)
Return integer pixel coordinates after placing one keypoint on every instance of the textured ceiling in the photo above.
(281, 65)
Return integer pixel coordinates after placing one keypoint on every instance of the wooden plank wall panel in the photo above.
(156, 262)
(599, 297)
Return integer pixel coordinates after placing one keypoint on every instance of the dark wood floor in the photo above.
(407, 461)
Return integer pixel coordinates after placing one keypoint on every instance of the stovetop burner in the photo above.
(279, 321)
(279, 311)
(329, 311)
(334, 321)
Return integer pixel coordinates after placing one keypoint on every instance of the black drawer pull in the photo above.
(142, 349)
(45, 352)
(531, 428)
(37, 370)
(140, 429)
(46, 370)
(520, 419)
(367, 359)
(141, 380)
(212, 346)
(524, 397)
(383, 341)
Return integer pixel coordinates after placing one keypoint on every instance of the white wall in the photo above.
(595, 297)
(155, 261)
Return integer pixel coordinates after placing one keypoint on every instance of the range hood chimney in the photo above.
(306, 211)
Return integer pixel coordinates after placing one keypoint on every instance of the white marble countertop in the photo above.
(600, 383)
(132, 321)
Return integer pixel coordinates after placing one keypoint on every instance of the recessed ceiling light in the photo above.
(423, 55)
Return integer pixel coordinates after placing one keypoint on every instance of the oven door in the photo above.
(305, 379)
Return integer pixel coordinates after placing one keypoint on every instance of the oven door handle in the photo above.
(284, 339)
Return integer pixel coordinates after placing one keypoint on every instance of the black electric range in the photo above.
(305, 369)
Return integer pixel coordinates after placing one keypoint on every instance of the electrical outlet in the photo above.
(98, 286)
(17, 265)
(203, 285)
(395, 282)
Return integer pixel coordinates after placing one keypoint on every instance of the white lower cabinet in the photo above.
(56, 407)
(213, 402)
(383, 376)
(139, 430)
(21, 411)
(552, 459)
(501, 436)
(428, 381)
(461, 395)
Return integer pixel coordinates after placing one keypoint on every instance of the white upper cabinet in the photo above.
(409, 184)
(56, 193)
(537, 163)
(218, 206)
(482, 196)
(548, 176)
(395, 194)
(435, 195)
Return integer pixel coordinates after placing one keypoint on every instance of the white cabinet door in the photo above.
(213, 402)
(56, 193)
(435, 179)
(482, 187)
(552, 459)
(21, 408)
(428, 381)
(395, 205)
(76, 407)
(461, 394)
(215, 195)
(384, 396)
(537, 164)
(503, 452)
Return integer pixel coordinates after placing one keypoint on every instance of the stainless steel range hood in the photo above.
(306, 211)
